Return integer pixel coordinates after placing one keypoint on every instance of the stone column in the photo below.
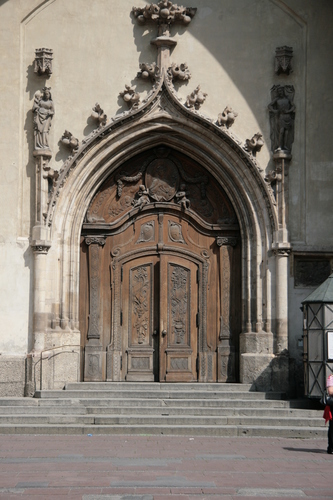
(94, 362)
(225, 349)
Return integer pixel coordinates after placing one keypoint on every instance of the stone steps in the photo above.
(172, 409)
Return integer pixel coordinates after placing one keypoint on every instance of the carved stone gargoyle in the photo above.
(98, 114)
(196, 98)
(255, 144)
(131, 97)
(69, 140)
(227, 117)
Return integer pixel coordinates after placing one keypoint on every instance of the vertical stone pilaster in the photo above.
(225, 349)
(94, 359)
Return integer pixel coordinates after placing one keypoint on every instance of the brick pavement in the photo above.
(161, 467)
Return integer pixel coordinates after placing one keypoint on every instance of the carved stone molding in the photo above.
(95, 240)
(70, 141)
(283, 60)
(227, 117)
(43, 62)
(99, 115)
(196, 98)
(131, 97)
(255, 144)
(282, 252)
(40, 247)
(282, 117)
(226, 240)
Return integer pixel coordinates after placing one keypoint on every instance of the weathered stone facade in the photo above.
(217, 84)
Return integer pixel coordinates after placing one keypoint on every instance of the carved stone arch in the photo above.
(236, 171)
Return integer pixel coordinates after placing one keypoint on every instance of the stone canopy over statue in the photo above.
(282, 117)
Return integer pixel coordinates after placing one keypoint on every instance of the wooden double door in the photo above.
(159, 318)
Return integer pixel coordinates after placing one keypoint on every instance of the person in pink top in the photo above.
(329, 385)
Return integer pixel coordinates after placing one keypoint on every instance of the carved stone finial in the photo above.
(227, 117)
(283, 57)
(150, 71)
(43, 111)
(98, 114)
(164, 12)
(130, 96)
(179, 72)
(282, 117)
(196, 98)
(43, 61)
(69, 140)
(255, 144)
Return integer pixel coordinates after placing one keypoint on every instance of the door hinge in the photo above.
(197, 320)
(121, 317)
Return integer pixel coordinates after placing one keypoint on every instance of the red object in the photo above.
(327, 414)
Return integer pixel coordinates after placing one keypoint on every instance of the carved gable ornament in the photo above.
(162, 100)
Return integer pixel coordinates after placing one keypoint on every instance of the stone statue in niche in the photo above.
(282, 117)
(142, 197)
(196, 98)
(43, 110)
(227, 117)
(181, 197)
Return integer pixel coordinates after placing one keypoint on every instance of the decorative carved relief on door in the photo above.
(164, 273)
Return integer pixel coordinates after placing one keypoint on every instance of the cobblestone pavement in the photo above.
(160, 467)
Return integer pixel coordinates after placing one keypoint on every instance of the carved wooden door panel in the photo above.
(139, 319)
(178, 319)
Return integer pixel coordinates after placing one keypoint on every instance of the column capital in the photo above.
(226, 241)
(95, 240)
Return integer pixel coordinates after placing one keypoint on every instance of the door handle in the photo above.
(164, 332)
(155, 332)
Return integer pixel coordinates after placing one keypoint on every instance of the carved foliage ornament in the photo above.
(180, 283)
(164, 12)
(227, 117)
(179, 72)
(196, 98)
(147, 70)
(98, 114)
(131, 97)
(69, 140)
(255, 144)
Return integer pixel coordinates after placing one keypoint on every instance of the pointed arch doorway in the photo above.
(160, 280)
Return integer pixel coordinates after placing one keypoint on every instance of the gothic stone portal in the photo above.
(160, 275)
